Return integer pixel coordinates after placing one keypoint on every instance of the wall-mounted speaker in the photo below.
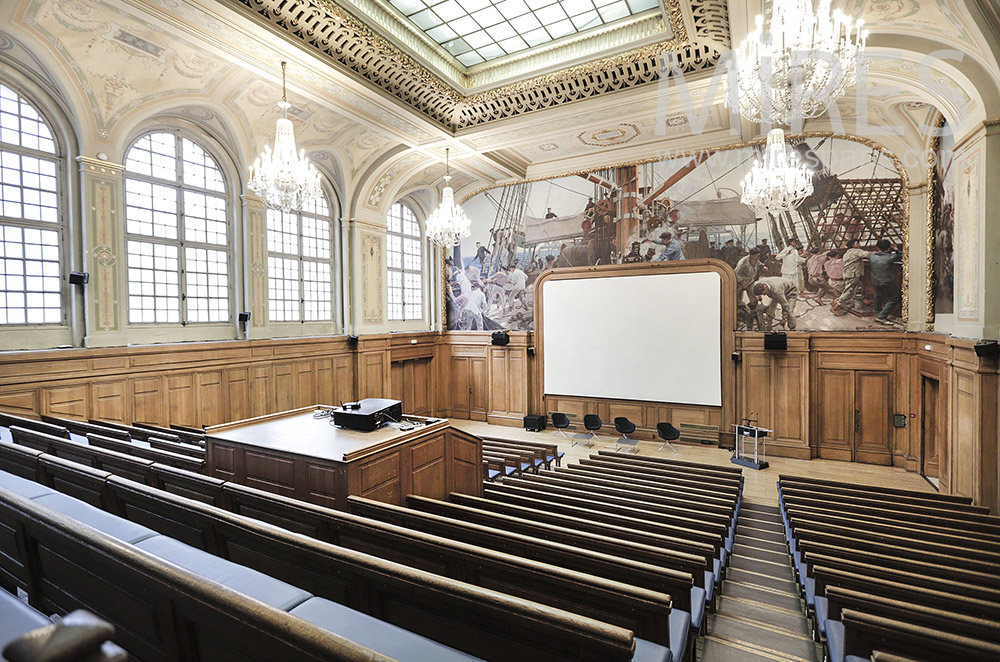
(500, 338)
(775, 340)
(737, 357)
(79, 277)
(988, 349)
(352, 341)
(244, 317)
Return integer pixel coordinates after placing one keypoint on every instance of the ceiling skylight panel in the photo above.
(474, 31)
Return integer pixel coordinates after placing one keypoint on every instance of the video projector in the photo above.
(368, 414)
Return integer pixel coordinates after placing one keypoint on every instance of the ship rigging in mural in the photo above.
(688, 208)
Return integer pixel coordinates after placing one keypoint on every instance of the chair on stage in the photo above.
(667, 433)
(592, 423)
(625, 427)
(560, 422)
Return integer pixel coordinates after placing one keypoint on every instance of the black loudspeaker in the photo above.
(352, 341)
(501, 338)
(534, 422)
(988, 349)
(78, 278)
(775, 341)
(244, 317)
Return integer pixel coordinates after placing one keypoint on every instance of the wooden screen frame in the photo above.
(727, 319)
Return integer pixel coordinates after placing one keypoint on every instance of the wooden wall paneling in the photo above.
(284, 387)
(108, 401)
(465, 469)
(930, 426)
(479, 395)
(213, 403)
(305, 383)
(262, 400)
(71, 401)
(397, 382)
(421, 378)
(20, 401)
(147, 394)
(181, 399)
(323, 385)
(499, 394)
(965, 460)
(373, 377)
(237, 388)
(343, 379)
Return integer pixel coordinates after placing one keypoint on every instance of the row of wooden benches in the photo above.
(611, 597)
(928, 565)
(507, 457)
(156, 445)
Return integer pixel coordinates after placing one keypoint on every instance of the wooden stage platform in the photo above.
(301, 455)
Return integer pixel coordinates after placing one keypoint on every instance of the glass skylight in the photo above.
(476, 31)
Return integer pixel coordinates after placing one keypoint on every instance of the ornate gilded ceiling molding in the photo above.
(330, 29)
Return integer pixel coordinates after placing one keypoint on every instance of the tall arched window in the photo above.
(405, 264)
(300, 254)
(30, 275)
(177, 231)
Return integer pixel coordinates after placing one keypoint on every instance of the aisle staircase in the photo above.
(759, 615)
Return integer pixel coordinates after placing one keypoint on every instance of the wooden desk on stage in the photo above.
(296, 455)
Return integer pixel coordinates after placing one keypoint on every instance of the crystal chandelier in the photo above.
(776, 185)
(284, 179)
(448, 225)
(796, 68)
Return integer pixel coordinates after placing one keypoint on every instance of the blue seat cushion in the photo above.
(16, 618)
(5, 435)
(709, 586)
(78, 438)
(647, 651)
(680, 630)
(112, 525)
(698, 601)
(835, 640)
(29, 489)
(811, 592)
(821, 614)
(493, 474)
(369, 631)
(856, 658)
(240, 578)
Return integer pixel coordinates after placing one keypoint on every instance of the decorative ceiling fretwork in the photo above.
(329, 29)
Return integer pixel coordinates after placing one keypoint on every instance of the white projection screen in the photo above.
(655, 337)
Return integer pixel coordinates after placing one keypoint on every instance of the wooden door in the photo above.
(929, 390)
(835, 414)
(478, 391)
(872, 397)
(461, 390)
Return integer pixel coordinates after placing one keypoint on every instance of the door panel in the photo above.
(872, 395)
(929, 426)
(835, 414)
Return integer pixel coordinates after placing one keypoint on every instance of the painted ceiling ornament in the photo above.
(448, 225)
(776, 185)
(282, 178)
(793, 68)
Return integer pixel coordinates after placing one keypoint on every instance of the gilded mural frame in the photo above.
(867, 142)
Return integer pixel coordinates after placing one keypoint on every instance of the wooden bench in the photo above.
(645, 612)
(633, 482)
(159, 611)
(196, 438)
(866, 632)
(662, 477)
(10, 420)
(885, 493)
(156, 455)
(637, 463)
(552, 452)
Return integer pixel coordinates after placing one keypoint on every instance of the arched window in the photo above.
(405, 264)
(177, 231)
(30, 228)
(300, 263)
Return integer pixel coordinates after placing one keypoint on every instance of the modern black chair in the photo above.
(593, 423)
(625, 427)
(560, 422)
(667, 433)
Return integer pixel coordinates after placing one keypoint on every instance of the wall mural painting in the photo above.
(943, 222)
(835, 263)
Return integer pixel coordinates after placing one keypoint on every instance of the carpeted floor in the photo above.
(759, 615)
